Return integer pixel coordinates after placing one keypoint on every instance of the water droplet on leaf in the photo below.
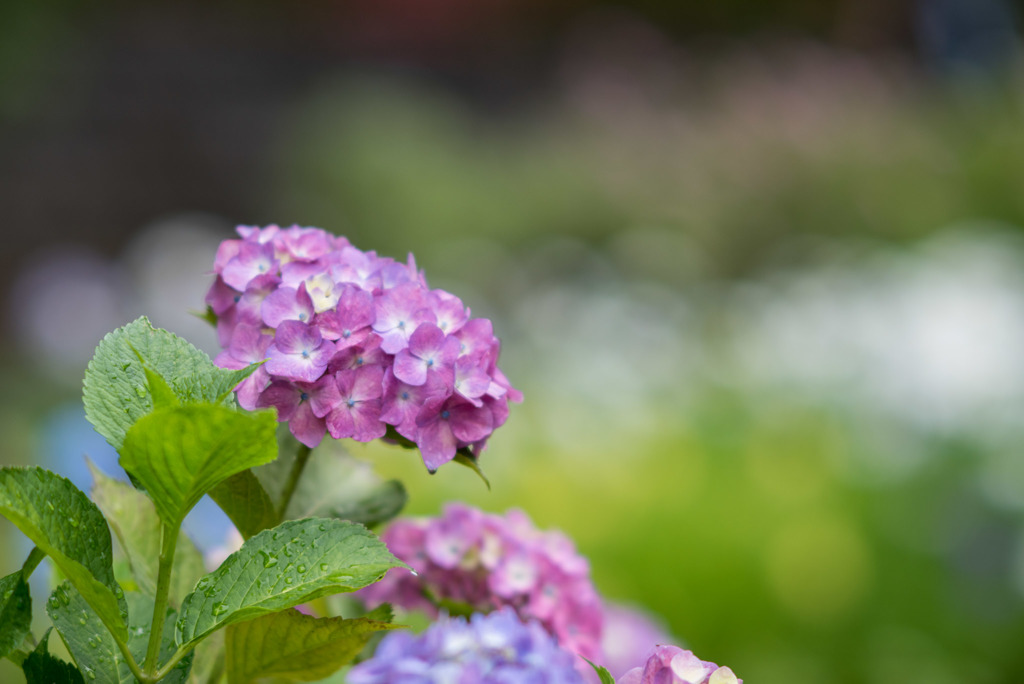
(269, 559)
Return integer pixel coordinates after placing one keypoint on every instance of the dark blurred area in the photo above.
(758, 267)
(115, 113)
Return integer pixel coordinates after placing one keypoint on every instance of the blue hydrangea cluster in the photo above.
(487, 649)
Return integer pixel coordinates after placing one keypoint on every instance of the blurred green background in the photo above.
(757, 267)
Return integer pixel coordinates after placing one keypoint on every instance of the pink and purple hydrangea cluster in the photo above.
(490, 562)
(487, 649)
(674, 665)
(354, 343)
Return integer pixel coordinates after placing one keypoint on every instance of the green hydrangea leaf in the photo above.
(133, 518)
(42, 668)
(94, 649)
(274, 475)
(161, 393)
(296, 562)
(333, 484)
(336, 485)
(246, 502)
(88, 641)
(15, 612)
(116, 391)
(602, 673)
(180, 453)
(140, 615)
(465, 458)
(295, 646)
(209, 315)
(69, 528)
(208, 660)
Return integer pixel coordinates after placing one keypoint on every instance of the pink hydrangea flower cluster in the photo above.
(674, 665)
(489, 562)
(354, 343)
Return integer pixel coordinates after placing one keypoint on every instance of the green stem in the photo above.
(130, 659)
(170, 665)
(301, 457)
(168, 542)
(31, 562)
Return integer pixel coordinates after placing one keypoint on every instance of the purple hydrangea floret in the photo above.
(674, 665)
(487, 649)
(355, 343)
(627, 636)
(490, 562)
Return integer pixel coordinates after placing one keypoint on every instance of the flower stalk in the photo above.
(294, 475)
(168, 544)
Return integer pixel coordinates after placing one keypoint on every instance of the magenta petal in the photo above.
(437, 444)
(306, 427)
(352, 339)
(226, 251)
(248, 343)
(294, 366)
(295, 272)
(287, 304)
(351, 319)
(293, 337)
(398, 306)
(516, 575)
(368, 383)
(447, 544)
(249, 390)
(340, 422)
(226, 326)
(304, 244)
(426, 339)
(331, 324)
(393, 273)
(282, 396)
(278, 306)
(471, 381)
(250, 303)
(324, 396)
(410, 369)
(258, 235)
(470, 423)
(367, 424)
(476, 336)
(221, 297)
(357, 305)
(450, 311)
(252, 260)
(400, 405)
(368, 353)
(226, 360)
(393, 341)
(499, 411)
